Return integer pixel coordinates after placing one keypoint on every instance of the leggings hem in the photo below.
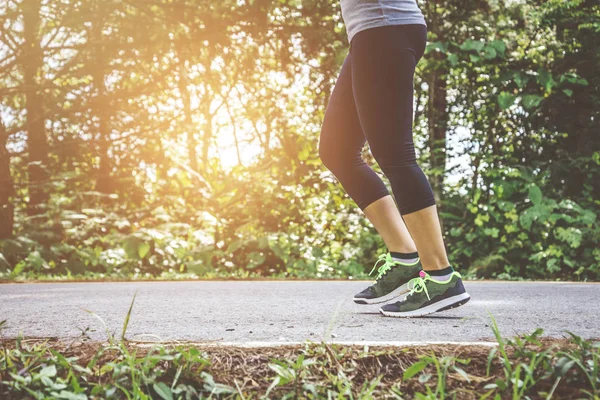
(373, 199)
(417, 207)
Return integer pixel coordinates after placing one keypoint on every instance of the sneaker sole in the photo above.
(399, 291)
(446, 304)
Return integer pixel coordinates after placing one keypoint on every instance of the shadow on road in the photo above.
(424, 317)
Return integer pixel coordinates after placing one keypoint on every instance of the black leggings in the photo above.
(373, 101)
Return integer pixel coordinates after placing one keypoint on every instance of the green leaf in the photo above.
(163, 390)
(568, 92)
(471, 44)
(69, 395)
(501, 384)
(435, 45)
(571, 235)
(131, 245)
(588, 217)
(474, 58)
(563, 365)
(305, 152)
(234, 245)
(489, 52)
(36, 260)
(48, 371)
(544, 78)
(499, 45)
(553, 265)
(143, 249)
(453, 58)
(424, 378)
(535, 194)
(572, 77)
(454, 232)
(493, 232)
(491, 356)
(180, 252)
(126, 322)
(213, 387)
(257, 258)
(569, 262)
(470, 236)
(520, 79)
(414, 369)
(462, 373)
(526, 219)
(506, 100)
(531, 100)
(285, 374)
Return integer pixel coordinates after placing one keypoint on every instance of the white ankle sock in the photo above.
(405, 258)
(444, 277)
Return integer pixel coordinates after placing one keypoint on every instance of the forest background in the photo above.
(162, 139)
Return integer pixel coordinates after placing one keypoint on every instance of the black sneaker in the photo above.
(391, 282)
(428, 296)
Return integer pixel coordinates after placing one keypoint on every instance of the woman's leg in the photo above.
(424, 227)
(384, 215)
(383, 64)
(340, 146)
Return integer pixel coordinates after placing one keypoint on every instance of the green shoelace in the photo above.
(387, 265)
(417, 285)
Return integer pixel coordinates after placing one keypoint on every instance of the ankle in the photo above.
(404, 249)
(434, 265)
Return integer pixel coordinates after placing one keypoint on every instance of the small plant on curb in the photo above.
(442, 366)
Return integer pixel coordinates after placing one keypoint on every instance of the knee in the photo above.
(327, 155)
(397, 160)
(337, 160)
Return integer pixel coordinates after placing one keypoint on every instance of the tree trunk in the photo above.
(7, 216)
(187, 110)
(37, 142)
(438, 125)
(207, 131)
(101, 109)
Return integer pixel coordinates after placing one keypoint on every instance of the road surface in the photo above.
(283, 312)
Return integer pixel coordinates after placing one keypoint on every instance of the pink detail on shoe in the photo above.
(422, 274)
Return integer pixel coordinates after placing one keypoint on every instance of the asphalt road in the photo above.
(262, 312)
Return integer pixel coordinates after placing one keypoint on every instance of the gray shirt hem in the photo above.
(385, 22)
